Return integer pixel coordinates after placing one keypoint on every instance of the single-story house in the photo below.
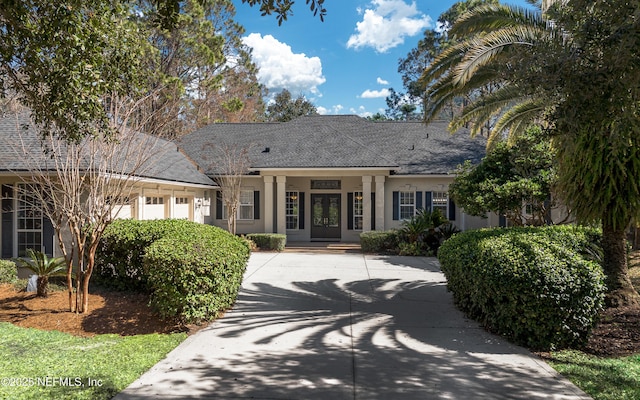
(329, 178)
(316, 178)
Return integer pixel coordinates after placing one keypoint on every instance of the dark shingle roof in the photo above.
(340, 141)
(21, 150)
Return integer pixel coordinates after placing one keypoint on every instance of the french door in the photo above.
(325, 216)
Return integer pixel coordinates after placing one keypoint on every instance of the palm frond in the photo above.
(495, 17)
(484, 49)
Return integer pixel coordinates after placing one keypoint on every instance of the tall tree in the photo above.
(60, 57)
(285, 108)
(515, 180)
(202, 70)
(575, 66)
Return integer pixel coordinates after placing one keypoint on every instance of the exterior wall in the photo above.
(272, 190)
(195, 209)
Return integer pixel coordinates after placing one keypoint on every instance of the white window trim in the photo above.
(20, 190)
(296, 206)
(440, 205)
(407, 205)
(240, 205)
(358, 212)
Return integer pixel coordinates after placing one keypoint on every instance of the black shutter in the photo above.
(300, 210)
(350, 210)
(427, 201)
(218, 204)
(7, 221)
(47, 236)
(502, 221)
(256, 204)
(418, 200)
(452, 210)
(396, 206)
(373, 211)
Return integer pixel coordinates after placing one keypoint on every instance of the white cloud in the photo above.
(281, 68)
(334, 110)
(374, 94)
(387, 24)
(382, 81)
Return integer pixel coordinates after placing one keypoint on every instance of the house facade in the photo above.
(329, 178)
(316, 178)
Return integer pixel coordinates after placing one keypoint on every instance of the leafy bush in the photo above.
(538, 286)
(268, 241)
(119, 259)
(195, 273)
(379, 241)
(8, 271)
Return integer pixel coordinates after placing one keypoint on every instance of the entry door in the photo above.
(325, 222)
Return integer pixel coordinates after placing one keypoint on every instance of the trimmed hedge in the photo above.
(192, 271)
(380, 241)
(540, 287)
(8, 271)
(268, 241)
(119, 259)
(195, 274)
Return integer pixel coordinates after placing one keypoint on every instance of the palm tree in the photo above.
(574, 67)
(44, 267)
(488, 66)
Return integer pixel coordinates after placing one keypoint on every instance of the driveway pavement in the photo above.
(347, 326)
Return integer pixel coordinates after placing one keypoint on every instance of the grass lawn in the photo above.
(601, 378)
(51, 364)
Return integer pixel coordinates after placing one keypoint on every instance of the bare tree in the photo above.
(81, 185)
(231, 163)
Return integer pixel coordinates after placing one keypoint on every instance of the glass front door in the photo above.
(325, 222)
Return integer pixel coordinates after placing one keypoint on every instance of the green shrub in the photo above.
(195, 273)
(538, 286)
(122, 247)
(379, 241)
(268, 241)
(8, 272)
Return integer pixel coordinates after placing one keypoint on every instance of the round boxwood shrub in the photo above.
(195, 273)
(540, 287)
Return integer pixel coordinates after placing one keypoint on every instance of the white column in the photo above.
(366, 203)
(141, 203)
(280, 204)
(172, 205)
(380, 203)
(268, 204)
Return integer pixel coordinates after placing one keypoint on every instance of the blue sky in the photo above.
(346, 64)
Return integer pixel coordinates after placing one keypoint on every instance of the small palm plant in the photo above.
(43, 266)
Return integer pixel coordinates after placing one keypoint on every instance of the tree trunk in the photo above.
(620, 290)
(41, 286)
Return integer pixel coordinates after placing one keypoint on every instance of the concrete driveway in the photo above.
(347, 326)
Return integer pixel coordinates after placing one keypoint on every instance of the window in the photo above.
(440, 201)
(29, 219)
(357, 210)
(292, 209)
(154, 200)
(245, 211)
(245, 206)
(407, 204)
(182, 200)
